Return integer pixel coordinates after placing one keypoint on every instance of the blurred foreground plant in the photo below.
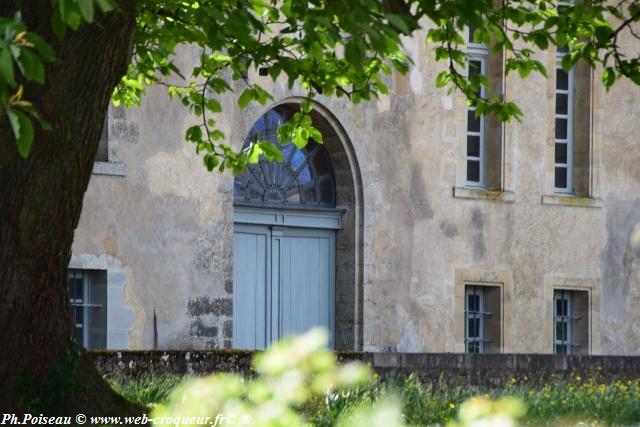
(294, 377)
(480, 411)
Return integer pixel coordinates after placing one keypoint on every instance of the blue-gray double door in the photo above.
(284, 280)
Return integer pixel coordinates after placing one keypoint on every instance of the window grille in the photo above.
(563, 319)
(474, 319)
(79, 286)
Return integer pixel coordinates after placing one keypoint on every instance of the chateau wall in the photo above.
(168, 223)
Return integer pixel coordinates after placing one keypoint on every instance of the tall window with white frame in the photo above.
(474, 319)
(564, 126)
(476, 152)
(564, 117)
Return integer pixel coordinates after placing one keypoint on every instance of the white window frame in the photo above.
(478, 290)
(562, 294)
(569, 117)
(477, 52)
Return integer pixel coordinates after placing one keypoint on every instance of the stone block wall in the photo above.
(454, 368)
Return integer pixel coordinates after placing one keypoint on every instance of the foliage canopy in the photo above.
(333, 48)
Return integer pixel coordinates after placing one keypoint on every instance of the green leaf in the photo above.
(316, 135)
(44, 49)
(30, 65)
(443, 78)
(306, 106)
(603, 33)
(210, 161)
(105, 5)
(70, 13)
(86, 9)
(566, 62)
(213, 105)
(57, 24)
(6, 67)
(354, 52)
(254, 153)
(194, 133)
(398, 22)
(300, 137)
(271, 152)
(22, 130)
(245, 98)
(608, 77)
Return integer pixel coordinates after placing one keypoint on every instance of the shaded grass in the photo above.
(559, 402)
(146, 390)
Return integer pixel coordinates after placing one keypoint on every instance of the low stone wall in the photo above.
(476, 369)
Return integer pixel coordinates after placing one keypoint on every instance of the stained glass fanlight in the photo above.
(304, 178)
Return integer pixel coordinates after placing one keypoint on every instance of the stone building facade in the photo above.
(450, 233)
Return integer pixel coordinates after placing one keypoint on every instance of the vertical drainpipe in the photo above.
(155, 330)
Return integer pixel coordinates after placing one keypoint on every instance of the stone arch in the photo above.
(349, 239)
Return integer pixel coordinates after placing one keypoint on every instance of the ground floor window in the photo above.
(87, 295)
(570, 321)
(482, 319)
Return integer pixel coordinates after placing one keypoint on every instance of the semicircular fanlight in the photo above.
(304, 178)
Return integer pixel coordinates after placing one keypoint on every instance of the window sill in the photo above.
(484, 194)
(109, 168)
(568, 200)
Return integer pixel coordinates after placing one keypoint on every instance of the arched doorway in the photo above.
(294, 245)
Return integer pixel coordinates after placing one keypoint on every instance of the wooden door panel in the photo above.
(251, 283)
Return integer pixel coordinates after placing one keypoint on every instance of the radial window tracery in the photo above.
(305, 177)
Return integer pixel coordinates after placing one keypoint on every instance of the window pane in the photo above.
(294, 198)
(471, 328)
(561, 177)
(79, 289)
(561, 349)
(476, 302)
(475, 68)
(473, 145)
(562, 79)
(304, 176)
(562, 103)
(473, 122)
(275, 183)
(473, 347)
(561, 128)
(309, 195)
(561, 153)
(326, 191)
(473, 170)
(79, 315)
(321, 164)
(559, 336)
(472, 29)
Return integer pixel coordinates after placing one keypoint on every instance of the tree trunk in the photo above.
(43, 369)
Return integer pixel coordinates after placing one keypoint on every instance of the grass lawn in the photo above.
(571, 402)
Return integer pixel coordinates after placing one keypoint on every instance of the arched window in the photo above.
(304, 178)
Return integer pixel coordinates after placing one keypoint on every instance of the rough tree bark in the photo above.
(42, 368)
